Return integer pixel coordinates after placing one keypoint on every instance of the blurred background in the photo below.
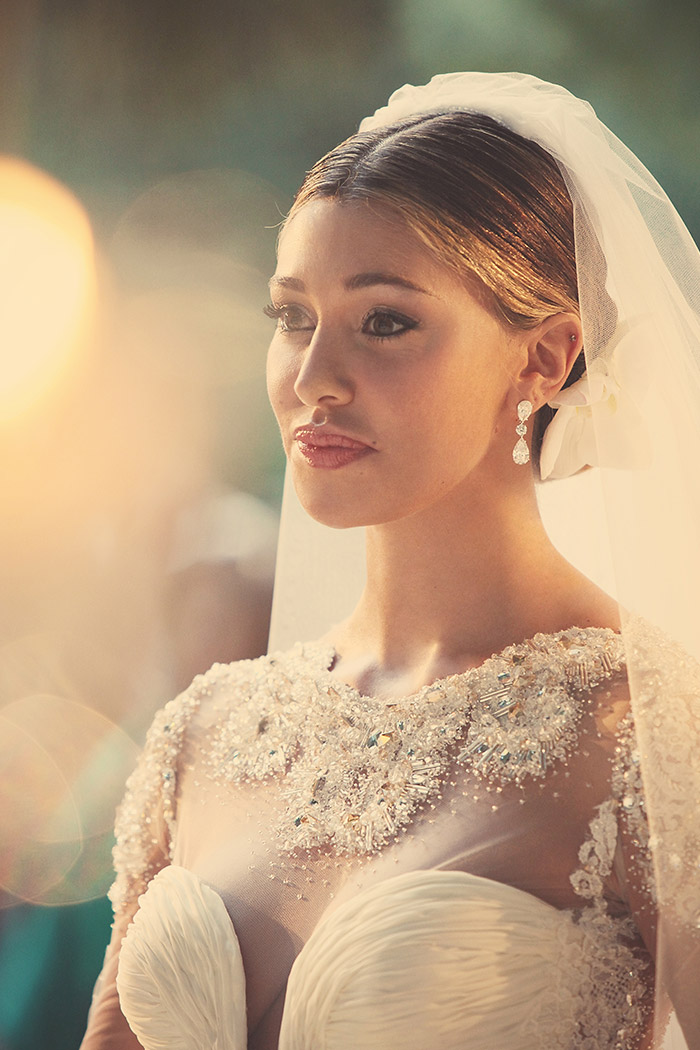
(149, 150)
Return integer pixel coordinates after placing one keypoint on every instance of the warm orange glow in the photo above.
(47, 283)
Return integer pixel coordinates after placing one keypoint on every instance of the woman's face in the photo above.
(414, 377)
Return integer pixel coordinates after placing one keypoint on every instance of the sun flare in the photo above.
(47, 272)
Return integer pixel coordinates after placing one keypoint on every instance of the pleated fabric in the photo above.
(439, 958)
(181, 981)
(429, 957)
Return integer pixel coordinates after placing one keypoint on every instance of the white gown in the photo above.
(438, 958)
(464, 868)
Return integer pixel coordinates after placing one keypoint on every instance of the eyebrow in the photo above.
(367, 280)
(358, 280)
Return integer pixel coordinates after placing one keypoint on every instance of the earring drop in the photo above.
(318, 418)
(521, 453)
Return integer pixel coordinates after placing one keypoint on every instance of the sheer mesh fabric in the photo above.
(234, 837)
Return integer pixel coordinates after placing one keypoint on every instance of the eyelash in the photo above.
(277, 313)
(407, 323)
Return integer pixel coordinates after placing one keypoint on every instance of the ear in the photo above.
(552, 348)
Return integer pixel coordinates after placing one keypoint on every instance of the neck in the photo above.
(449, 586)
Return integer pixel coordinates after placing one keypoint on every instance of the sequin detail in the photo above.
(356, 769)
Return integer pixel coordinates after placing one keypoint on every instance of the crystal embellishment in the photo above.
(352, 770)
(521, 453)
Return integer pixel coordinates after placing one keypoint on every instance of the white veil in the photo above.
(635, 415)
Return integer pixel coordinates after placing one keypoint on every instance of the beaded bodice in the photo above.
(356, 768)
(352, 769)
(508, 748)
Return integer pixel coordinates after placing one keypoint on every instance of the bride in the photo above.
(465, 817)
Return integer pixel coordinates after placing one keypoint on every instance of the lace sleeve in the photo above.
(145, 820)
(656, 778)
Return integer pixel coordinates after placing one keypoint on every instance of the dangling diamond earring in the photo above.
(521, 453)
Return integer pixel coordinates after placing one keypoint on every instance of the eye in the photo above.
(383, 324)
(290, 317)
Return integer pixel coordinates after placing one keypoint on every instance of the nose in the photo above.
(324, 376)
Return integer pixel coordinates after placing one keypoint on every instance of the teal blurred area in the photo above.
(184, 128)
(110, 97)
(48, 961)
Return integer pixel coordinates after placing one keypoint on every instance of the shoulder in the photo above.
(658, 663)
(531, 698)
(146, 817)
(245, 687)
(651, 704)
(240, 696)
(659, 698)
(655, 684)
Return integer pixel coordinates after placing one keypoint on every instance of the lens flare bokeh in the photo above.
(47, 273)
(61, 767)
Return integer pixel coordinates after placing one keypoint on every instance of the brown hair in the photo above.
(491, 203)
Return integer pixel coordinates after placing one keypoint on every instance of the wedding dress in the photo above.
(453, 869)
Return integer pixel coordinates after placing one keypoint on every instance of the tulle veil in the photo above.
(632, 522)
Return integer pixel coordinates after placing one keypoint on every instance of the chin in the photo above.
(335, 506)
(361, 504)
(350, 513)
(338, 516)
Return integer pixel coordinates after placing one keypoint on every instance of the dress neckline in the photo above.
(573, 639)
(354, 770)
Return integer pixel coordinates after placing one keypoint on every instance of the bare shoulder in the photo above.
(585, 602)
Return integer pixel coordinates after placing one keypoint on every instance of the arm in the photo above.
(144, 831)
(657, 784)
(673, 944)
(107, 1027)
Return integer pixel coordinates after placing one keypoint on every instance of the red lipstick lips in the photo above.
(322, 448)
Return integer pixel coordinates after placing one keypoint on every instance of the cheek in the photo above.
(441, 399)
(281, 375)
(455, 415)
